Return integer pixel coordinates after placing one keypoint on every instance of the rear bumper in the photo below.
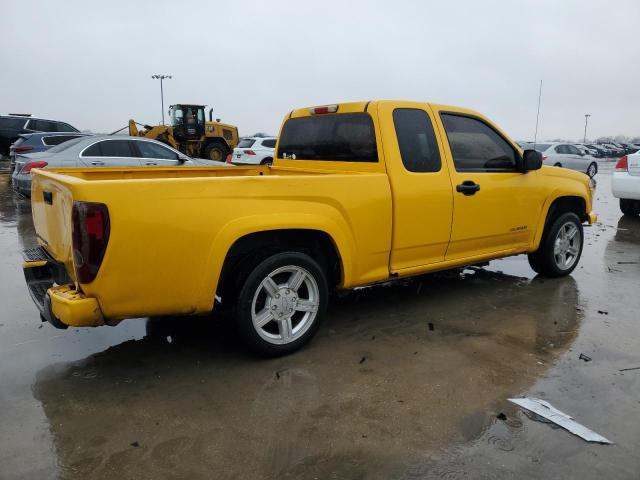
(55, 295)
(22, 185)
(625, 186)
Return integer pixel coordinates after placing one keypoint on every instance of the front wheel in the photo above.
(560, 248)
(592, 170)
(281, 303)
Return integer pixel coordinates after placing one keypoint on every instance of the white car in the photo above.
(254, 151)
(625, 183)
(567, 156)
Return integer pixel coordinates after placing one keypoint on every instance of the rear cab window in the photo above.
(417, 140)
(340, 137)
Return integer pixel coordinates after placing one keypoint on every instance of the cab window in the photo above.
(417, 140)
(342, 137)
(476, 147)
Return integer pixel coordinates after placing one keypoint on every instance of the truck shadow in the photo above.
(396, 371)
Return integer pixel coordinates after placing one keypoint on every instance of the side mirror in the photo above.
(531, 160)
(182, 159)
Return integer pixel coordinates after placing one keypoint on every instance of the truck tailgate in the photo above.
(51, 205)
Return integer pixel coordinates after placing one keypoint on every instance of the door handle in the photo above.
(97, 163)
(468, 187)
(151, 163)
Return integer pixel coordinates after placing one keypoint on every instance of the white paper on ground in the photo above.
(545, 410)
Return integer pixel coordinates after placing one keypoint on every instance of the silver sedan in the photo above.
(102, 151)
(567, 156)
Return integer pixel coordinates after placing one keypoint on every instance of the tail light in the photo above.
(22, 149)
(249, 152)
(622, 165)
(28, 166)
(90, 235)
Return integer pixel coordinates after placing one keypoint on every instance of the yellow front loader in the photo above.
(189, 132)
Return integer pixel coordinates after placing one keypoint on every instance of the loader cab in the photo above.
(187, 121)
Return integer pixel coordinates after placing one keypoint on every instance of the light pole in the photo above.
(161, 77)
(586, 120)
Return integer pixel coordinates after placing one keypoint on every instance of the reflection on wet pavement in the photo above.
(407, 380)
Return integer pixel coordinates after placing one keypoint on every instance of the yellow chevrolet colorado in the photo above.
(358, 193)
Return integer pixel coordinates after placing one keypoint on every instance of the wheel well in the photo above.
(562, 205)
(249, 250)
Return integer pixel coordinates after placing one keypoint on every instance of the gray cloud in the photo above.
(90, 64)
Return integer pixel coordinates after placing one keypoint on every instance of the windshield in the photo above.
(541, 147)
(65, 145)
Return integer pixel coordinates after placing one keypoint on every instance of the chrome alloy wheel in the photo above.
(566, 247)
(285, 304)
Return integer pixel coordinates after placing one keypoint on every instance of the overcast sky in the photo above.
(90, 63)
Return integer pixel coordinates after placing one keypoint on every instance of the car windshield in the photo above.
(541, 147)
(65, 145)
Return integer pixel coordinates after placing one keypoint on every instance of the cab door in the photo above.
(420, 185)
(495, 206)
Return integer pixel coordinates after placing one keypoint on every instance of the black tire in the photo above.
(266, 161)
(252, 288)
(557, 164)
(216, 151)
(592, 169)
(543, 260)
(630, 207)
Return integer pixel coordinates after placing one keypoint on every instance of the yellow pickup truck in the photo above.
(358, 193)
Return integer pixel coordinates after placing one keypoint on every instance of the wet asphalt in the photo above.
(403, 381)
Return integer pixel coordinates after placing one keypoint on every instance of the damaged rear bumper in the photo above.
(55, 294)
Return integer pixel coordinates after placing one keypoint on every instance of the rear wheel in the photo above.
(560, 248)
(630, 207)
(216, 151)
(266, 161)
(281, 303)
(592, 170)
(557, 164)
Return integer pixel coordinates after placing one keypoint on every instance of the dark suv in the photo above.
(12, 126)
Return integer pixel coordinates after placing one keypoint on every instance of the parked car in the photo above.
(12, 126)
(254, 151)
(625, 183)
(567, 156)
(101, 151)
(599, 152)
(587, 150)
(616, 151)
(359, 193)
(38, 142)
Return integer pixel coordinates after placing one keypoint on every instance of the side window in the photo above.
(573, 150)
(476, 147)
(110, 148)
(269, 143)
(153, 150)
(48, 126)
(417, 140)
(31, 125)
(57, 139)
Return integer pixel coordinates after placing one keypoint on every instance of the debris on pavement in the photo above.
(548, 412)
(628, 369)
(584, 357)
(603, 312)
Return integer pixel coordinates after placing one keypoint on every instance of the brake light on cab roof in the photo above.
(323, 109)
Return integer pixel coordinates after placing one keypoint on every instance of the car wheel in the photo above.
(560, 248)
(281, 303)
(216, 151)
(557, 164)
(266, 161)
(592, 170)
(630, 207)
